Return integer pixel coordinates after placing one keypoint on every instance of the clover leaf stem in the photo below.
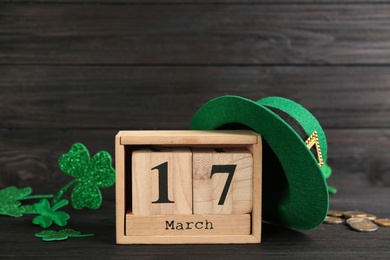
(83, 235)
(59, 204)
(62, 191)
(45, 196)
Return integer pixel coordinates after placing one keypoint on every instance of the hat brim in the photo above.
(295, 193)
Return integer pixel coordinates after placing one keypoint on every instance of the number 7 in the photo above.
(230, 169)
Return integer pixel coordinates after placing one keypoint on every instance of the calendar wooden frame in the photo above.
(126, 141)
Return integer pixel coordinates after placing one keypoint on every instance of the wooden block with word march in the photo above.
(191, 225)
(222, 181)
(162, 181)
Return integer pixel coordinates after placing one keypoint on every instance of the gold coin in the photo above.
(384, 222)
(333, 220)
(354, 214)
(370, 217)
(363, 225)
(335, 213)
(351, 220)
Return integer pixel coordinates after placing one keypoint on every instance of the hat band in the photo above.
(310, 141)
(313, 141)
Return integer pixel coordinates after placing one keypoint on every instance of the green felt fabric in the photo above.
(306, 120)
(295, 193)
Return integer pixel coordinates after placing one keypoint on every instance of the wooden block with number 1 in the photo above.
(162, 181)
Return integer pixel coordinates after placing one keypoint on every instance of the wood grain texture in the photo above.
(188, 137)
(360, 157)
(30, 157)
(248, 139)
(356, 156)
(187, 225)
(81, 70)
(195, 34)
(164, 2)
(161, 181)
(115, 97)
(353, 154)
(277, 242)
(226, 189)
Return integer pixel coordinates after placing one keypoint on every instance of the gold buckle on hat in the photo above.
(310, 142)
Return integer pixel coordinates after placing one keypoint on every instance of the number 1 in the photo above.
(162, 183)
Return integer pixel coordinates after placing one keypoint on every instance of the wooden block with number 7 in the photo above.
(222, 181)
(162, 181)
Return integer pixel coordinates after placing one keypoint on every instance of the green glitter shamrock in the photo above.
(51, 235)
(49, 215)
(90, 174)
(10, 204)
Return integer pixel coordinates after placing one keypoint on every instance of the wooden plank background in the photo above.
(80, 71)
(96, 67)
(240, 34)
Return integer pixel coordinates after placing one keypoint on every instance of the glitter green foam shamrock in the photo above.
(10, 198)
(90, 175)
(52, 235)
(48, 214)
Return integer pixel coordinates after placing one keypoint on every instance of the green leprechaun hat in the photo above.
(295, 192)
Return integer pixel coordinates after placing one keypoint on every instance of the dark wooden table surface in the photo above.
(81, 70)
(327, 241)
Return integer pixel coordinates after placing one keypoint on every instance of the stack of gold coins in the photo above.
(356, 220)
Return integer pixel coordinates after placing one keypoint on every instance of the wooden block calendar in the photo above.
(188, 187)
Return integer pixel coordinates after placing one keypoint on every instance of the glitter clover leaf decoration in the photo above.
(10, 198)
(90, 175)
(48, 214)
(52, 235)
